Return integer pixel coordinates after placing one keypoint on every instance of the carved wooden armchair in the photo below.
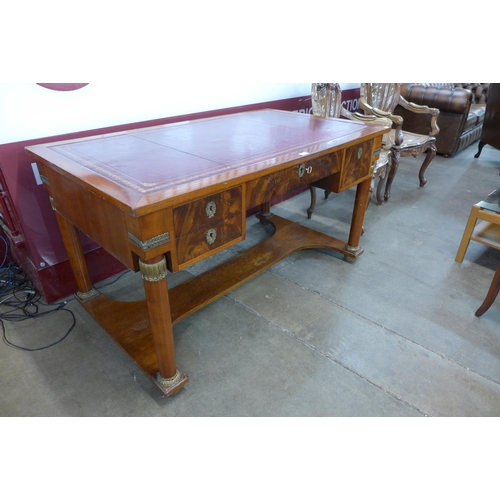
(380, 100)
(327, 102)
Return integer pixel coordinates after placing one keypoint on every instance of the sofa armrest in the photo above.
(479, 90)
(446, 99)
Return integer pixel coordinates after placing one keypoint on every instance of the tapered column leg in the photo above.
(265, 207)
(76, 258)
(154, 273)
(358, 215)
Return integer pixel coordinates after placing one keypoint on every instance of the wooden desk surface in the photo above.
(146, 169)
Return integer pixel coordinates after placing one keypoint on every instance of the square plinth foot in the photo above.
(170, 386)
(352, 253)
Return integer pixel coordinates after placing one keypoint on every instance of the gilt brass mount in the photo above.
(83, 296)
(151, 243)
(153, 272)
(167, 382)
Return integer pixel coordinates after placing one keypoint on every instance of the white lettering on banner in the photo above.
(351, 104)
(307, 111)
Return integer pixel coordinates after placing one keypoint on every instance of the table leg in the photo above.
(491, 295)
(76, 258)
(430, 154)
(469, 228)
(311, 208)
(358, 215)
(154, 273)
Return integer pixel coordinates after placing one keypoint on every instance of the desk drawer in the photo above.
(207, 211)
(284, 181)
(356, 166)
(196, 245)
(357, 163)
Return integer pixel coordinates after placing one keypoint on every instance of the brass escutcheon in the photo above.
(210, 209)
(211, 236)
(304, 170)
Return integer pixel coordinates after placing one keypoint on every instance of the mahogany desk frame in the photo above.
(166, 197)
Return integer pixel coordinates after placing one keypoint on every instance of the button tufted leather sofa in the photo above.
(461, 112)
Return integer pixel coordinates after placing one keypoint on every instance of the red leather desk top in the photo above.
(142, 167)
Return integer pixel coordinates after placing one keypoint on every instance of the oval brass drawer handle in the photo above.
(211, 236)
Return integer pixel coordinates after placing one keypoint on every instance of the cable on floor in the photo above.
(19, 301)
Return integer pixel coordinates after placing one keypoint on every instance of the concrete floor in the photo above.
(393, 334)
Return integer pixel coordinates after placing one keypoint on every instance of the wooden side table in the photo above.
(487, 231)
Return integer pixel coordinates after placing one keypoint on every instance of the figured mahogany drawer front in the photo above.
(207, 211)
(205, 240)
(357, 163)
(284, 181)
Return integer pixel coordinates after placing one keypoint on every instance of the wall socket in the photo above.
(36, 173)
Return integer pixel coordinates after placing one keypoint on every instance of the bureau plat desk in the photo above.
(165, 197)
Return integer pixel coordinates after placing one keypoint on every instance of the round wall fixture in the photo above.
(63, 86)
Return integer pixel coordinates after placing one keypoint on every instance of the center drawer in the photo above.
(284, 181)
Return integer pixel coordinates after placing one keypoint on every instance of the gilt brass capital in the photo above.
(153, 272)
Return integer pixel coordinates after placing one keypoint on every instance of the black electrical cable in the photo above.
(22, 348)
(19, 301)
(18, 294)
